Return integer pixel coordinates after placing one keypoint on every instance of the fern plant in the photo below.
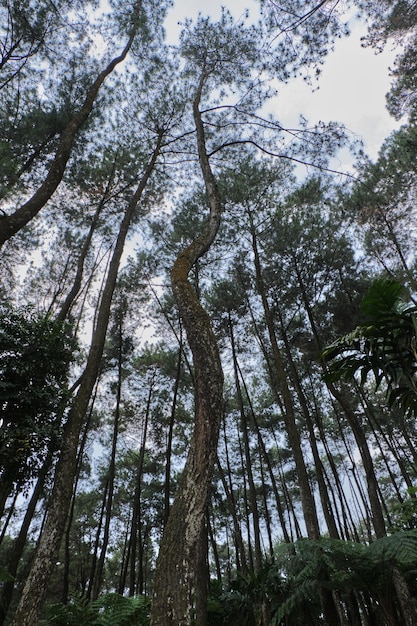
(110, 609)
(343, 567)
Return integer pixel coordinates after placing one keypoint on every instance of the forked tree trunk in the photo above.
(180, 584)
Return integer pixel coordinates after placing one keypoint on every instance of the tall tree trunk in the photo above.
(248, 460)
(136, 525)
(307, 499)
(324, 496)
(125, 559)
(371, 480)
(348, 524)
(168, 453)
(180, 584)
(268, 463)
(76, 285)
(67, 533)
(98, 573)
(19, 543)
(213, 545)
(288, 536)
(358, 432)
(245, 498)
(241, 564)
(28, 611)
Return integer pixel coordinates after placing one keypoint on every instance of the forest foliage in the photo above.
(208, 329)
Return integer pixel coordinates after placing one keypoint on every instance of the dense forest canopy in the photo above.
(208, 321)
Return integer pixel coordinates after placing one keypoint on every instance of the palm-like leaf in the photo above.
(344, 566)
(384, 345)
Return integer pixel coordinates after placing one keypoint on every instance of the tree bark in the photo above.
(20, 541)
(180, 584)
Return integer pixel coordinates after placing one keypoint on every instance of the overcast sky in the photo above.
(351, 89)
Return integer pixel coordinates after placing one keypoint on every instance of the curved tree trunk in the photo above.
(180, 584)
(11, 224)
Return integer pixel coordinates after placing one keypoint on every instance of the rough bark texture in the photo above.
(11, 224)
(20, 541)
(180, 585)
(28, 611)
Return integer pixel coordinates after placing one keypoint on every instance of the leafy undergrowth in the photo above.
(110, 609)
(286, 590)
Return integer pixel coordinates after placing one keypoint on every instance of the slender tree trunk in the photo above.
(248, 460)
(6, 489)
(246, 502)
(28, 611)
(324, 496)
(241, 561)
(379, 431)
(213, 545)
(288, 536)
(180, 584)
(136, 530)
(67, 549)
(76, 285)
(267, 517)
(168, 454)
(20, 541)
(307, 499)
(268, 463)
(358, 432)
(348, 524)
(125, 559)
(98, 573)
(97, 540)
(371, 481)
(9, 514)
